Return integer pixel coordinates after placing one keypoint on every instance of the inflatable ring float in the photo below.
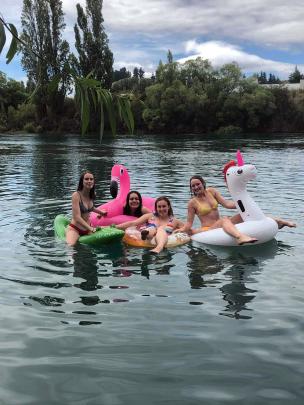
(133, 238)
(102, 236)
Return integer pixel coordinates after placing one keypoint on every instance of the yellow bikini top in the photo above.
(204, 208)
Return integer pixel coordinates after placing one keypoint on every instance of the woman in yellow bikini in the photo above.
(204, 204)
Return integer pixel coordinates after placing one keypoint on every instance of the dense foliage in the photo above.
(53, 71)
(193, 97)
(190, 97)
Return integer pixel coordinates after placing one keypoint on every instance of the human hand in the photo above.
(102, 214)
(178, 230)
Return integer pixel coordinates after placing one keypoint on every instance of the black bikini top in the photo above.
(83, 208)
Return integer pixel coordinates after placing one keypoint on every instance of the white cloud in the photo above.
(220, 53)
(274, 22)
(141, 31)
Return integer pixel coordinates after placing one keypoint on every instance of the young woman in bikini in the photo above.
(82, 205)
(204, 203)
(158, 225)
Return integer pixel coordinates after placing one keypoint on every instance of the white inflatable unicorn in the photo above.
(255, 224)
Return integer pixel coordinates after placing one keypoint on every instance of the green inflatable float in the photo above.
(102, 236)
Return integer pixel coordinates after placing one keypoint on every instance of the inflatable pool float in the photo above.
(100, 237)
(255, 224)
(133, 238)
(120, 180)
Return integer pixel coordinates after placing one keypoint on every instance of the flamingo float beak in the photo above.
(114, 188)
(239, 158)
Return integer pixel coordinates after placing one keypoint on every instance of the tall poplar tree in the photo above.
(45, 53)
(92, 43)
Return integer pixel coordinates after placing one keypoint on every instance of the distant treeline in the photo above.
(181, 98)
(190, 97)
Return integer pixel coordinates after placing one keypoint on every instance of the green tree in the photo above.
(86, 88)
(296, 76)
(92, 45)
(44, 52)
(262, 78)
(167, 73)
(196, 70)
(122, 73)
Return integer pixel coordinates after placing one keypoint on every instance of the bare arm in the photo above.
(77, 214)
(178, 224)
(221, 200)
(190, 218)
(101, 213)
(145, 210)
(139, 221)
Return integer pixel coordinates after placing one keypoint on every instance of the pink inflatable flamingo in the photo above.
(120, 180)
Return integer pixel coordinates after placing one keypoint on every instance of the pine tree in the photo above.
(295, 77)
(135, 72)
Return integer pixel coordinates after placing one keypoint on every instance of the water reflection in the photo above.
(202, 263)
(240, 266)
(141, 261)
(85, 265)
(243, 266)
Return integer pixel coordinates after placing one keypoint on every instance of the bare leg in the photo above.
(230, 228)
(282, 222)
(71, 236)
(161, 238)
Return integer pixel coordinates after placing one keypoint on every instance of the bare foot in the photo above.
(155, 251)
(282, 223)
(242, 240)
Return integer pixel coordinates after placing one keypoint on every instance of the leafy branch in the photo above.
(88, 91)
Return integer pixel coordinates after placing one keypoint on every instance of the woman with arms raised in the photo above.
(82, 206)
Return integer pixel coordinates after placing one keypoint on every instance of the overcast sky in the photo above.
(258, 35)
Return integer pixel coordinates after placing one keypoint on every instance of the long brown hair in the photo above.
(80, 184)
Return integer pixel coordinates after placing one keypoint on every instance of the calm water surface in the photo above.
(113, 325)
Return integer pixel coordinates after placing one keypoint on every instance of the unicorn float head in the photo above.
(237, 176)
(256, 224)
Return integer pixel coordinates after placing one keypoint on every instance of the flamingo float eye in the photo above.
(121, 171)
(240, 171)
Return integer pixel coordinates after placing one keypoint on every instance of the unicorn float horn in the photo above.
(239, 158)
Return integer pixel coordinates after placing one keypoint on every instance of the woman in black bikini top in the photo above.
(82, 205)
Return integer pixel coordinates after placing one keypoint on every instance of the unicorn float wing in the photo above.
(119, 188)
(255, 224)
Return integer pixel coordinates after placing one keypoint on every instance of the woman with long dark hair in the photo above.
(82, 206)
(134, 205)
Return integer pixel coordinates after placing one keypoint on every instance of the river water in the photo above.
(113, 325)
